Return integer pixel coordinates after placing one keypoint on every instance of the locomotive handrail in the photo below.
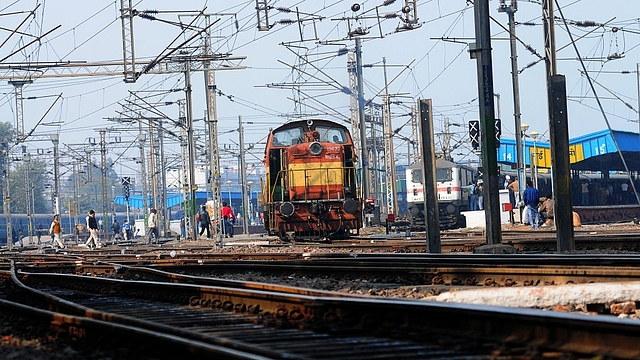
(343, 170)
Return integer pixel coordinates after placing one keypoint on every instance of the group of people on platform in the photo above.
(476, 196)
(600, 193)
(538, 211)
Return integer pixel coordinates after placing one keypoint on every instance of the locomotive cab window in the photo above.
(287, 137)
(443, 175)
(416, 176)
(333, 135)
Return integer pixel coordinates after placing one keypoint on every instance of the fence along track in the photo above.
(378, 323)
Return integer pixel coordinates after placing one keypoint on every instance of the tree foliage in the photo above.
(29, 175)
(89, 188)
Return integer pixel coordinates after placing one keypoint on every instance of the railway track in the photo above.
(246, 322)
(522, 240)
(381, 268)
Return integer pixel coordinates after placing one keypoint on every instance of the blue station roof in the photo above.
(135, 201)
(595, 152)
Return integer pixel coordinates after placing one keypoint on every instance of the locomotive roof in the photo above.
(304, 123)
(440, 164)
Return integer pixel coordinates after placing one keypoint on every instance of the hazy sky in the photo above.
(437, 51)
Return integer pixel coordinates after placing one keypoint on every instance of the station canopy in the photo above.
(592, 152)
(135, 201)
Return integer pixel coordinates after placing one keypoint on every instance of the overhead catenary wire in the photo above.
(604, 115)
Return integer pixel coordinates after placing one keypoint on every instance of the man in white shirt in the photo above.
(152, 226)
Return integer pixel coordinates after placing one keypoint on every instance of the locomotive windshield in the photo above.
(442, 175)
(331, 134)
(287, 137)
(416, 176)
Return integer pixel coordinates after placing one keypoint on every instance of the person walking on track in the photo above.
(92, 225)
(55, 230)
(152, 226)
(228, 219)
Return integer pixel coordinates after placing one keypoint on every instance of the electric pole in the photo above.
(212, 122)
(103, 169)
(243, 180)
(511, 10)
(55, 139)
(191, 153)
(143, 173)
(482, 53)
(366, 193)
(559, 135)
(389, 160)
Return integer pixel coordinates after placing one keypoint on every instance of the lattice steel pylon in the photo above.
(415, 135)
(214, 155)
(353, 101)
(126, 15)
(262, 7)
(389, 160)
(17, 91)
(184, 157)
(103, 173)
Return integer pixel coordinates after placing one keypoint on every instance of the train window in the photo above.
(331, 134)
(443, 175)
(416, 176)
(287, 137)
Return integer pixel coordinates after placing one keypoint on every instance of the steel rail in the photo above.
(81, 325)
(557, 331)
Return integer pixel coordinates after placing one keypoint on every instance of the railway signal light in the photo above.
(498, 132)
(369, 205)
(474, 133)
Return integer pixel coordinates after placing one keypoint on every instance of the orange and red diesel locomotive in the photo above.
(311, 186)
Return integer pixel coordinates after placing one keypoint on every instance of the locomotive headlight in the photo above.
(315, 148)
(287, 209)
(451, 209)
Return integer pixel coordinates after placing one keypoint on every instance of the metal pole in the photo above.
(7, 196)
(191, 151)
(55, 139)
(559, 135)
(143, 173)
(103, 169)
(243, 174)
(152, 166)
(363, 129)
(534, 162)
(487, 122)
(214, 156)
(389, 160)
(429, 185)
(27, 159)
(75, 194)
(163, 179)
(374, 156)
(511, 10)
